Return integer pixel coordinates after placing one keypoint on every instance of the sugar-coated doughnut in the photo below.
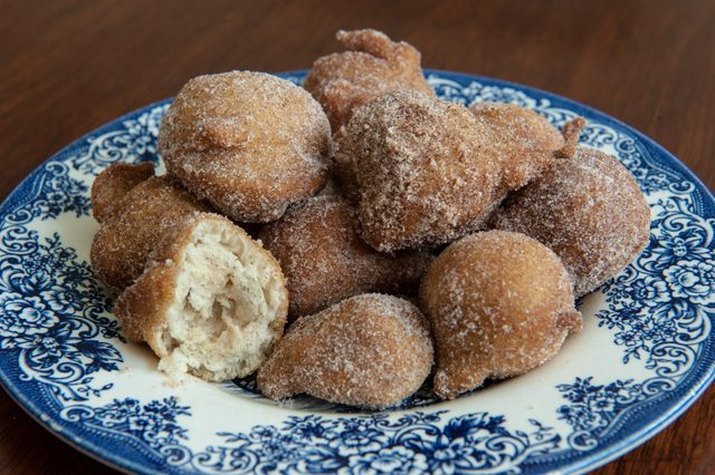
(500, 304)
(249, 143)
(589, 210)
(121, 247)
(373, 65)
(325, 261)
(425, 170)
(371, 350)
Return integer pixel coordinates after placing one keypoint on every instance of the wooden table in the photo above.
(68, 66)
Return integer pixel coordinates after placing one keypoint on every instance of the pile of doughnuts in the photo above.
(395, 234)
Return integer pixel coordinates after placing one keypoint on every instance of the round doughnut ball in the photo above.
(121, 247)
(249, 143)
(500, 304)
(370, 351)
(211, 301)
(325, 261)
(426, 170)
(373, 65)
(589, 210)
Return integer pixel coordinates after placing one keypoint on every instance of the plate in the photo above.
(645, 354)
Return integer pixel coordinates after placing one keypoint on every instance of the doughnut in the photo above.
(111, 186)
(370, 351)
(373, 65)
(121, 247)
(248, 143)
(500, 304)
(325, 261)
(588, 210)
(211, 301)
(426, 170)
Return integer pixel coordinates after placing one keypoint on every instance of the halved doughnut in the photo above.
(211, 302)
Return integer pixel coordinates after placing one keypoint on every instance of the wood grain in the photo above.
(68, 66)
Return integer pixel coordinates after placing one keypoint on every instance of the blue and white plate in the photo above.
(645, 354)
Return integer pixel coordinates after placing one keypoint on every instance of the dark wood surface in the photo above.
(68, 66)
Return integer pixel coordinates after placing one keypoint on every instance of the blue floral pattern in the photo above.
(154, 424)
(411, 444)
(58, 340)
(593, 408)
(52, 311)
(414, 443)
(61, 193)
(666, 298)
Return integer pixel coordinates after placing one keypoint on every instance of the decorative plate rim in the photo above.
(589, 462)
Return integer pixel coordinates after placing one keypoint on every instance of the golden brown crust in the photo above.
(112, 185)
(370, 350)
(373, 65)
(249, 143)
(121, 247)
(139, 306)
(589, 210)
(325, 261)
(500, 304)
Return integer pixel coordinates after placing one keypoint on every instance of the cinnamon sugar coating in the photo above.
(529, 141)
(370, 351)
(325, 261)
(112, 185)
(121, 247)
(373, 65)
(426, 170)
(524, 126)
(500, 304)
(589, 210)
(249, 143)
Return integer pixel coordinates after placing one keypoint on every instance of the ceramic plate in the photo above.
(645, 354)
